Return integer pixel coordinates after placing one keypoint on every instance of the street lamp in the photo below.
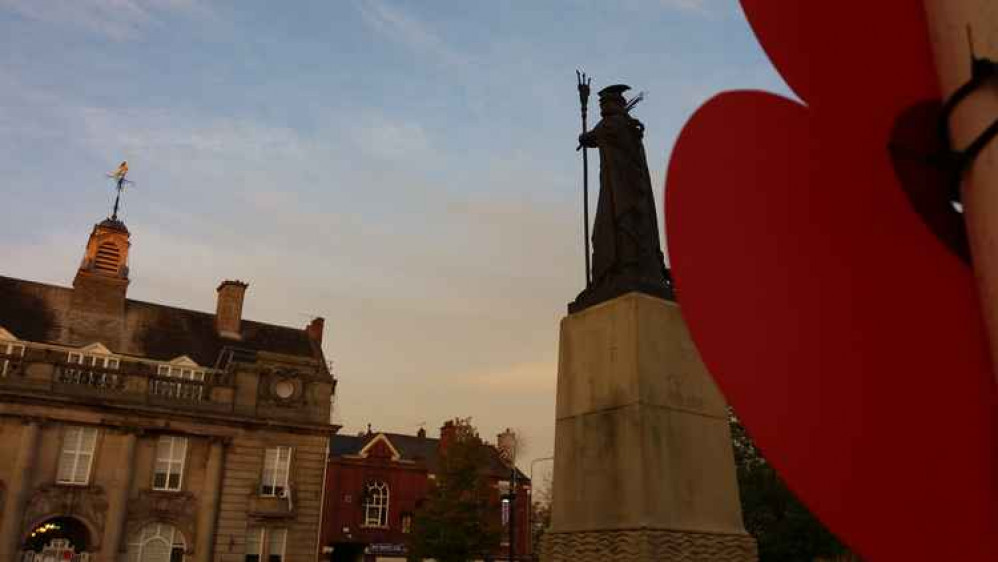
(530, 523)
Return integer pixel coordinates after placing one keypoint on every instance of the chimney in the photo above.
(506, 445)
(421, 433)
(229, 309)
(314, 329)
(448, 432)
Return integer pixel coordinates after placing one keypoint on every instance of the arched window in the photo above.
(157, 542)
(376, 504)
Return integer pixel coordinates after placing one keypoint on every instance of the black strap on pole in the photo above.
(583, 85)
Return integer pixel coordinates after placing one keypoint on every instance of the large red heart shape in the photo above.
(845, 335)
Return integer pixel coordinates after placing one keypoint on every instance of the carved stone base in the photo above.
(639, 545)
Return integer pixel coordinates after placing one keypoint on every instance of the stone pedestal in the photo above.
(644, 468)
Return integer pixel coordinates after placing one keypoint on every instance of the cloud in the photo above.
(416, 35)
(118, 20)
(703, 7)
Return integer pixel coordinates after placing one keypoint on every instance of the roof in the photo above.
(42, 313)
(413, 448)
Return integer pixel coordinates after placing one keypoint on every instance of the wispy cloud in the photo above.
(416, 35)
(710, 8)
(119, 20)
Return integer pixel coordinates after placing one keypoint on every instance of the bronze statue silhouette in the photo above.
(627, 255)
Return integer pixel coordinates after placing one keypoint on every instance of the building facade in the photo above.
(376, 482)
(139, 432)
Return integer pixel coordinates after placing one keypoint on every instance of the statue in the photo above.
(626, 252)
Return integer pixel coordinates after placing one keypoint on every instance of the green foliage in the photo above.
(785, 530)
(456, 522)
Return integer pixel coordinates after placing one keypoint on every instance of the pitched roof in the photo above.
(413, 448)
(42, 313)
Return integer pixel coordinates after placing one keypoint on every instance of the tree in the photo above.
(457, 522)
(785, 530)
(540, 513)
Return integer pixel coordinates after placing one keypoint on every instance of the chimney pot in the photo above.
(229, 308)
(448, 432)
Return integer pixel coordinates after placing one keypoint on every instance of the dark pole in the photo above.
(583, 84)
(117, 198)
(512, 512)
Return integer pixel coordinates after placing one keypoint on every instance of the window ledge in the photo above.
(270, 507)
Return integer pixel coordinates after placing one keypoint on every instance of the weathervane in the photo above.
(119, 178)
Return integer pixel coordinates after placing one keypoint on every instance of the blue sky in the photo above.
(405, 169)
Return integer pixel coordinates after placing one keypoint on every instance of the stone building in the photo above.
(377, 480)
(140, 432)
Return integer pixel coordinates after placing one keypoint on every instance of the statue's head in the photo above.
(611, 100)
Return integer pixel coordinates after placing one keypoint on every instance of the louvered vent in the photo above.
(108, 258)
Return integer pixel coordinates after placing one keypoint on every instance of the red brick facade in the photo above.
(404, 464)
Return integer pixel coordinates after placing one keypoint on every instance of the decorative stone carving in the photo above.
(647, 544)
(86, 503)
(282, 387)
(176, 508)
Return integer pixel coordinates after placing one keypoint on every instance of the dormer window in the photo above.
(189, 379)
(10, 352)
(94, 363)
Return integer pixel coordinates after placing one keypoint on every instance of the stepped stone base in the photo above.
(663, 545)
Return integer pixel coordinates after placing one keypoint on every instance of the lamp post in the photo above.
(530, 523)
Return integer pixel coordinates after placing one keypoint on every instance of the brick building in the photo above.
(375, 482)
(140, 432)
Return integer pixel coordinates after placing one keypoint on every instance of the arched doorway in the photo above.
(157, 542)
(57, 539)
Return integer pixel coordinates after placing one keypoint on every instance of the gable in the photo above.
(96, 348)
(183, 361)
(5, 335)
(380, 447)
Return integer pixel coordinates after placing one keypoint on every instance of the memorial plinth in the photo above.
(643, 468)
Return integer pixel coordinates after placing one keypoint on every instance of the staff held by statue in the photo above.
(583, 85)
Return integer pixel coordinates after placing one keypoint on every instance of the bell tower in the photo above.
(102, 279)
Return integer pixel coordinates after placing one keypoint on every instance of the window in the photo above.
(183, 390)
(276, 465)
(77, 455)
(157, 542)
(99, 361)
(169, 470)
(276, 540)
(13, 351)
(406, 523)
(254, 544)
(376, 505)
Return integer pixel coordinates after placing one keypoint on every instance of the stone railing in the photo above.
(10, 363)
(127, 385)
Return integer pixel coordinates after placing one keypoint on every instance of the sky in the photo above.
(404, 169)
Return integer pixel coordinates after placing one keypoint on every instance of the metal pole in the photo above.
(530, 523)
(512, 513)
(117, 199)
(583, 85)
